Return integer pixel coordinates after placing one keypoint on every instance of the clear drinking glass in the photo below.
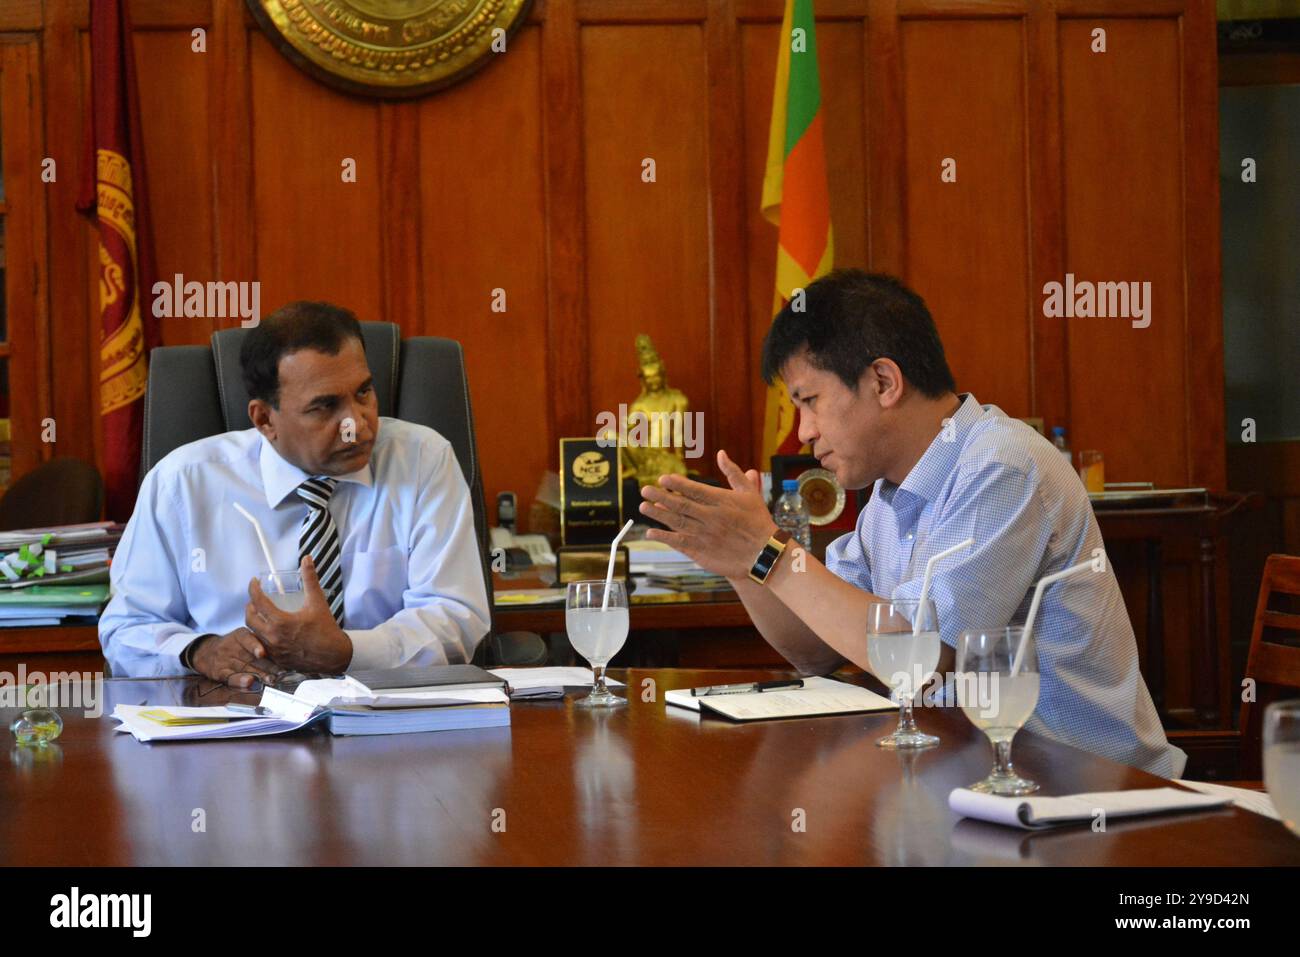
(597, 633)
(1282, 760)
(293, 597)
(1092, 470)
(902, 660)
(997, 701)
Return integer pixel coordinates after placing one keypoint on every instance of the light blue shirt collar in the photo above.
(930, 473)
(280, 478)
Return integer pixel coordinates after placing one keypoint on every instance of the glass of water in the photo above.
(1282, 760)
(293, 597)
(904, 658)
(597, 629)
(998, 694)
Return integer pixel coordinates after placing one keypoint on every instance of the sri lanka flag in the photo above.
(113, 190)
(795, 197)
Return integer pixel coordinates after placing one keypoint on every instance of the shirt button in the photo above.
(908, 536)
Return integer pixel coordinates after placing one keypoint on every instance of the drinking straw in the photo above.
(266, 549)
(609, 575)
(925, 582)
(1033, 609)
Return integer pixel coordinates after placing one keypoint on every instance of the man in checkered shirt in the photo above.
(863, 363)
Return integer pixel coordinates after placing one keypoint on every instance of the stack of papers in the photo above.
(528, 596)
(647, 556)
(526, 683)
(173, 723)
(68, 554)
(1034, 813)
(660, 567)
(87, 535)
(687, 578)
(355, 709)
(346, 705)
(40, 604)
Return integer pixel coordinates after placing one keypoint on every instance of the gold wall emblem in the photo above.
(390, 47)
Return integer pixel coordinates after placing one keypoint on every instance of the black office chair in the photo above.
(62, 491)
(196, 391)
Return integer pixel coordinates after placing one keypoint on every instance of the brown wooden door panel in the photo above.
(966, 241)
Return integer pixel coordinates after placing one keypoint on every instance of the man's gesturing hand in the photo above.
(237, 659)
(722, 529)
(309, 640)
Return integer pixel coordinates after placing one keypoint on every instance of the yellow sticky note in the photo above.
(171, 720)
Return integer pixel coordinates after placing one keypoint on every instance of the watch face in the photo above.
(768, 556)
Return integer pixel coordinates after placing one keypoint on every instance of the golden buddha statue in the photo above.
(656, 420)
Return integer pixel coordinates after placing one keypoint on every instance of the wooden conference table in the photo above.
(643, 785)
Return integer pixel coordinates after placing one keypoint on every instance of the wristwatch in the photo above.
(766, 560)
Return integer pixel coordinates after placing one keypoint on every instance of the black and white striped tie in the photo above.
(320, 540)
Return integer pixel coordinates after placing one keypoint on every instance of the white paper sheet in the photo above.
(1257, 801)
(241, 725)
(348, 690)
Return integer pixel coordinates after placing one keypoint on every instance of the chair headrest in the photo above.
(382, 342)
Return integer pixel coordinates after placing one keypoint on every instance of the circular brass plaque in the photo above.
(390, 47)
(822, 495)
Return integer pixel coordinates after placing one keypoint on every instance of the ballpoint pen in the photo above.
(749, 687)
(250, 708)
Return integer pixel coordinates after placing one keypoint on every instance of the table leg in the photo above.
(1156, 624)
(1206, 678)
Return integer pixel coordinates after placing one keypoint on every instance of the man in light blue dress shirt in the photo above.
(377, 506)
(863, 363)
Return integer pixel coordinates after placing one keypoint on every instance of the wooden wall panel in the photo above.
(482, 228)
(174, 102)
(24, 282)
(317, 237)
(966, 241)
(1123, 170)
(1046, 230)
(731, 373)
(841, 48)
(647, 243)
(758, 71)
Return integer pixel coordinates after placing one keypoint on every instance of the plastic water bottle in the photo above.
(792, 515)
(1058, 439)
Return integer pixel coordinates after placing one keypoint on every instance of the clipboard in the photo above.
(818, 697)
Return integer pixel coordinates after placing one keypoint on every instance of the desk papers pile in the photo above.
(344, 704)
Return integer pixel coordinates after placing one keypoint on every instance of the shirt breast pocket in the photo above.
(373, 583)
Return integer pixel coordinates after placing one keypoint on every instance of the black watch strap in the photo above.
(766, 559)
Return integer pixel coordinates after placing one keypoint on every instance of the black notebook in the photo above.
(436, 678)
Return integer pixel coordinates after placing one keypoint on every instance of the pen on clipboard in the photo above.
(748, 687)
(249, 708)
